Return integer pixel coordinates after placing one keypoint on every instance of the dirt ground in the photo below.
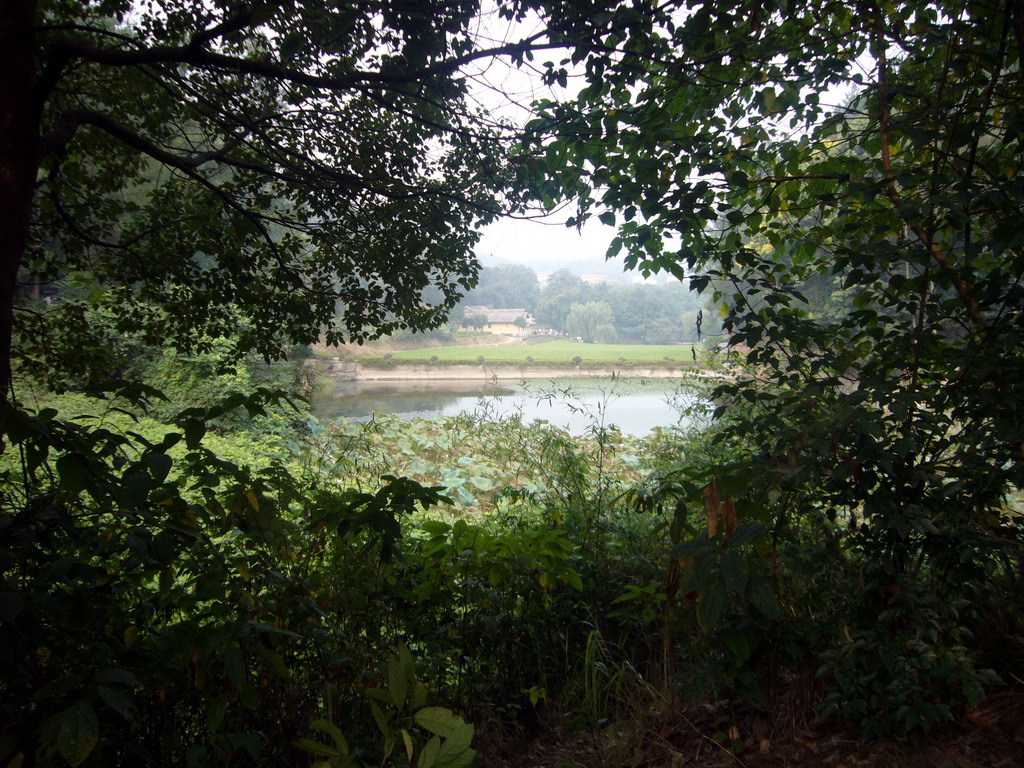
(720, 736)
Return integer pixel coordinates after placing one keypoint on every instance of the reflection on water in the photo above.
(361, 399)
(634, 406)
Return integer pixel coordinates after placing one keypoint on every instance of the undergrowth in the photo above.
(163, 604)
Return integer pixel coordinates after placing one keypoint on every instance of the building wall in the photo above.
(509, 329)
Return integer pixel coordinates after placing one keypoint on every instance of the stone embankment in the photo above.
(350, 370)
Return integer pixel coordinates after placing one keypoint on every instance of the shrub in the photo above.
(386, 362)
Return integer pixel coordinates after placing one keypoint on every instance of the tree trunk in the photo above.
(19, 161)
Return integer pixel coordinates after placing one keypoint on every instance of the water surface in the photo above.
(635, 406)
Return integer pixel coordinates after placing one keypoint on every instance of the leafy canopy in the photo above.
(872, 152)
(268, 172)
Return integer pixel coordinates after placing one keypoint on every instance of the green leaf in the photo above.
(711, 607)
(407, 740)
(215, 718)
(248, 696)
(234, 666)
(195, 430)
(736, 641)
(291, 45)
(462, 760)
(439, 720)
(116, 701)
(573, 579)
(381, 695)
(314, 747)
(274, 661)
(762, 597)
(326, 726)
(380, 719)
(731, 568)
(11, 604)
(455, 745)
(196, 756)
(419, 695)
(428, 757)
(482, 483)
(692, 548)
(77, 733)
(136, 489)
(408, 663)
(158, 464)
(75, 473)
(746, 533)
(398, 686)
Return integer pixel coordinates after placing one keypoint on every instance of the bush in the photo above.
(387, 362)
(899, 677)
(300, 352)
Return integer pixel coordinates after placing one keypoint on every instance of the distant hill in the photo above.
(614, 269)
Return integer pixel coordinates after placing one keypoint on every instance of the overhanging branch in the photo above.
(195, 54)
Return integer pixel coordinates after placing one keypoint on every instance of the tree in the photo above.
(896, 421)
(204, 174)
(456, 318)
(640, 308)
(563, 281)
(506, 286)
(605, 334)
(589, 321)
(561, 291)
(477, 321)
(243, 170)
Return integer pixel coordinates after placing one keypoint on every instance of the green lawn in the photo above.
(559, 351)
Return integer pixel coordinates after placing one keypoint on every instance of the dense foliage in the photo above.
(872, 153)
(264, 172)
(222, 612)
(194, 573)
(644, 314)
(505, 286)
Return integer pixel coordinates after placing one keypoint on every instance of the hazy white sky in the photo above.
(543, 245)
(506, 92)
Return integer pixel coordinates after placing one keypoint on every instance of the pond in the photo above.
(635, 406)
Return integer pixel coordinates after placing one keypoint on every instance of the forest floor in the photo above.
(991, 736)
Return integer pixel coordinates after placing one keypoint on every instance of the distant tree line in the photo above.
(604, 313)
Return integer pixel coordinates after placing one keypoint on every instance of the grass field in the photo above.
(559, 351)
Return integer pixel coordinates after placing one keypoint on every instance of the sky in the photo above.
(545, 244)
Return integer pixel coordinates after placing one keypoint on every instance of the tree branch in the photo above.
(195, 54)
(187, 165)
(963, 288)
(72, 119)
